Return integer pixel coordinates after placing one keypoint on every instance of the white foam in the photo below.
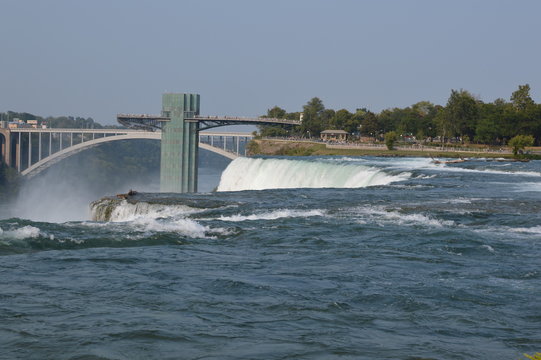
(458, 201)
(24, 232)
(130, 212)
(536, 230)
(421, 176)
(260, 174)
(186, 227)
(445, 167)
(382, 216)
(350, 159)
(412, 162)
(527, 186)
(510, 232)
(489, 248)
(273, 215)
(150, 224)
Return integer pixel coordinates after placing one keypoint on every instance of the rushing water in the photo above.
(316, 258)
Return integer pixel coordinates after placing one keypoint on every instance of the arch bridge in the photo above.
(31, 151)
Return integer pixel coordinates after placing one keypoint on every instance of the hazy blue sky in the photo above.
(100, 57)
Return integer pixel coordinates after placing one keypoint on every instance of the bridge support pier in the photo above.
(180, 143)
(18, 153)
(5, 146)
(29, 149)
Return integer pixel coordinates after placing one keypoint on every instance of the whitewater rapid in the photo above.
(261, 174)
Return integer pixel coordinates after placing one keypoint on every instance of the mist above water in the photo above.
(61, 194)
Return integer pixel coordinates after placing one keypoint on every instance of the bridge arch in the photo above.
(72, 150)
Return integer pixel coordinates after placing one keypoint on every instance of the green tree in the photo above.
(442, 124)
(311, 123)
(276, 112)
(353, 123)
(293, 115)
(460, 114)
(409, 121)
(489, 129)
(72, 123)
(509, 121)
(521, 98)
(390, 139)
(326, 118)
(519, 142)
(425, 125)
(314, 106)
(388, 120)
(423, 108)
(370, 125)
(340, 119)
(273, 130)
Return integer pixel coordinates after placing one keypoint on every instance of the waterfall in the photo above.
(259, 174)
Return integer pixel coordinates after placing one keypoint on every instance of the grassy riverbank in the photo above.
(306, 148)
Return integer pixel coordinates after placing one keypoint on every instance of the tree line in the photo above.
(465, 118)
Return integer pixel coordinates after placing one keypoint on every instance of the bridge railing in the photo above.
(229, 142)
(245, 118)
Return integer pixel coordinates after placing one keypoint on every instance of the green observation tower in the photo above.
(179, 149)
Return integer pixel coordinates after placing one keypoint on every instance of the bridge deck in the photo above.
(239, 119)
(155, 122)
(209, 122)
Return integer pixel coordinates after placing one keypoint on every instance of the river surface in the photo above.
(313, 258)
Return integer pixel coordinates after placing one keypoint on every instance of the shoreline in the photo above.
(308, 148)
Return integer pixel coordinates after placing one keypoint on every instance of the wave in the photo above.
(535, 230)
(21, 233)
(527, 187)
(445, 167)
(260, 174)
(185, 227)
(488, 247)
(273, 215)
(147, 226)
(505, 232)
(382, 216)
